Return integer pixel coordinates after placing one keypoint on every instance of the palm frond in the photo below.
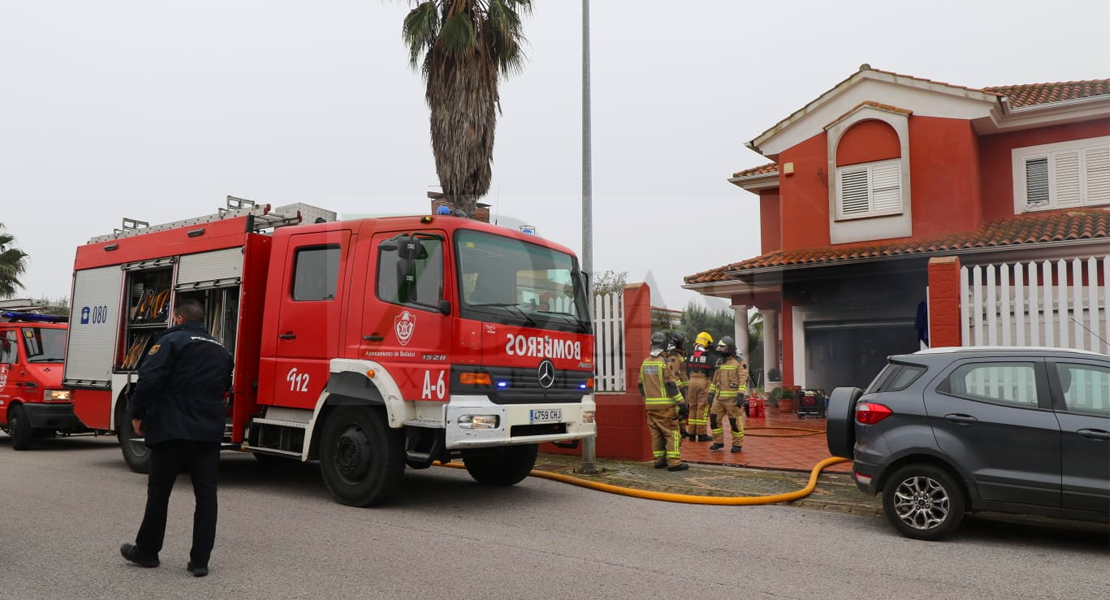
(419, 30)
(457, 35)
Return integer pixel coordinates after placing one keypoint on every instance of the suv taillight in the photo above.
(869, 413)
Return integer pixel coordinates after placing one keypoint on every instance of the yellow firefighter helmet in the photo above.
(704, 339)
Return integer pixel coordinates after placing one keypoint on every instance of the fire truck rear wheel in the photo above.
(135, 454)
(503, 466)
(361, 458)
(22, 434)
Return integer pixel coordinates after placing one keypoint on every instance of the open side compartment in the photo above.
(148, 295)
(221, 312)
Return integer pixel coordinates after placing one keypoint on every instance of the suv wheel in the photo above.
(923, 502)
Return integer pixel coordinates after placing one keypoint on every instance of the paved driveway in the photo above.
(69, 505)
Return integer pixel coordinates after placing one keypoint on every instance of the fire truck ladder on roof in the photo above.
(236, 207)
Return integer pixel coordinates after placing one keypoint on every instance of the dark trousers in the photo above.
(167, 459)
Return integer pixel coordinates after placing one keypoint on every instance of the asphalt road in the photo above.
(68, 506)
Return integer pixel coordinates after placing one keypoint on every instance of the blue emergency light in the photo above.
(33, 317)
(444, 210)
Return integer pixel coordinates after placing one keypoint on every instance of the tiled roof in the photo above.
(1045, 93)
(1057, 226)
(766, 169)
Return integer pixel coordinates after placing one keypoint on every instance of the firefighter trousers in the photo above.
(664, 437)
(726, 408)
(697, 397)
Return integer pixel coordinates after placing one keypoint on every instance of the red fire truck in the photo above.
(32, 401)
(367, 345)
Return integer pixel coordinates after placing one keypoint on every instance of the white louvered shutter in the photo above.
(854, 191)
(886, 188)
(1067, 179)
(1036, 182)
(1097, 173)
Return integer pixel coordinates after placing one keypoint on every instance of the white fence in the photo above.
(609, 342)
(1059, 304)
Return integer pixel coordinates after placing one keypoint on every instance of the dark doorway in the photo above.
(852, 354)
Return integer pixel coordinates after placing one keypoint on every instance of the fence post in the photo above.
(944, 301)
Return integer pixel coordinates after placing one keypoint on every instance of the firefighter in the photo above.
(179, 407)
(726, 395)
(676, 360)
(700, 365)
(659, 388)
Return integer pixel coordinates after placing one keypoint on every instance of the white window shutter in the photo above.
(853, 191)
(1067, 179)
(1097, 174)
(1036, 182)
(886, 188)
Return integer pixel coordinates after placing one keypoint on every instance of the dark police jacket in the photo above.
(180, 392)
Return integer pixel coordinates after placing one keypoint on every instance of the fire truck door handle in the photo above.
(377, 337)
(288, 336)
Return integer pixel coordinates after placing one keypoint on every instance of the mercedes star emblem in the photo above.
(546, 374)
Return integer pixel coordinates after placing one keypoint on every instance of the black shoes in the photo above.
(735, 449)
(660, 465)
(716, 446)
(705, 438)
(197, 570)
(679, 467)
(131, 553)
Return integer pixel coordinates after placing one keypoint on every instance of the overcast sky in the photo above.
(158, 110)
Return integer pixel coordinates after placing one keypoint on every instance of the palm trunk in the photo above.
(462, 95)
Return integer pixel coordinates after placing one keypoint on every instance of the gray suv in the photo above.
(948, 431)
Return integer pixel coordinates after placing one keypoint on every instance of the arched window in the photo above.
(868, 171)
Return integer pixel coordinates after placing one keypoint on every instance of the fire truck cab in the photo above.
(367, 345)
(32, 402)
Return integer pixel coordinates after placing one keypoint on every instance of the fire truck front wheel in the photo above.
(20, 428)
(501, 466)
(361, 458)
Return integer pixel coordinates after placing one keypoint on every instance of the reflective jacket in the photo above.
(658, 384)
(730, 380)
(180, 392)
(677, 362)
(702, 363)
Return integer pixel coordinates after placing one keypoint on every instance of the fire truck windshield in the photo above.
(505, 280)
(44, 345)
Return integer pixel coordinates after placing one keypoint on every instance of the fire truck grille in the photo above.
(514, 385)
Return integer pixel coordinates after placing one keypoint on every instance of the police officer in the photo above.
(726, 395)
(700, 366)
(659, 387)
(676, 360)
(179, 407)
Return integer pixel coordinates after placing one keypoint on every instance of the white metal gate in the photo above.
(1059, 304)
(609, 342)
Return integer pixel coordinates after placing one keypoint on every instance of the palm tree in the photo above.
(463, 47)
(13, 263)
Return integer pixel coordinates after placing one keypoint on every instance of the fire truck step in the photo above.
(418, 457)
(274, 451)
(280, 423)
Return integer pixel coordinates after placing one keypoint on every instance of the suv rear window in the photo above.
(895, 378)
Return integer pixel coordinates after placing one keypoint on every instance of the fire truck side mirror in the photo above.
(445, 307)
(410, 249)
(585, 278)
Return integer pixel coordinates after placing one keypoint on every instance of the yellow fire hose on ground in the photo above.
(686, 498)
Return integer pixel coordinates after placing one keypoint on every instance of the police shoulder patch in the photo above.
(154, 349)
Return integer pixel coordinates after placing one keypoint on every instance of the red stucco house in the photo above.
(885, 172)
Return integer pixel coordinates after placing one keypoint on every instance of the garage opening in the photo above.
(851, 353)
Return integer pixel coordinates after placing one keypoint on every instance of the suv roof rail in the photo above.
(954, 349)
